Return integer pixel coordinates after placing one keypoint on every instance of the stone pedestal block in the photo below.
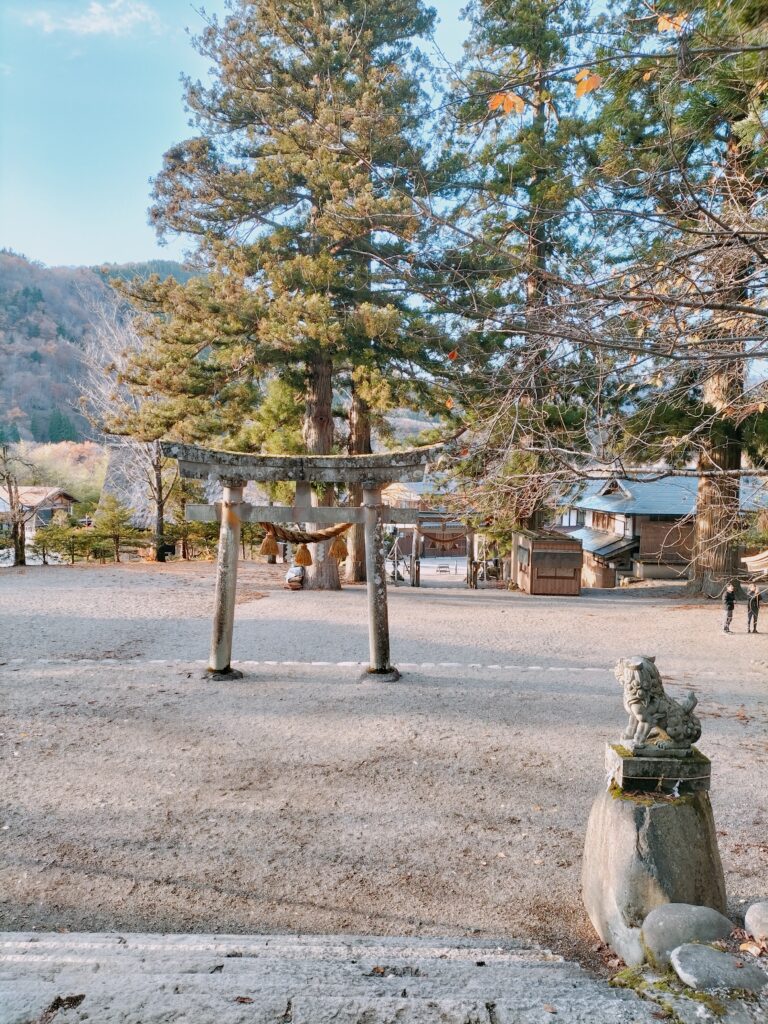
(643, 773)
(644, 850)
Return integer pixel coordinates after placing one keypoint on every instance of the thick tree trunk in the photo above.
(715, 553)
(323, 574)
(534, 498)
(19, 540)
(718, 506)
(18, 525)
(359, 444)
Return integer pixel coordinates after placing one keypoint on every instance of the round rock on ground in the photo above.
(709, 970)
(673, 924)
(756, 920)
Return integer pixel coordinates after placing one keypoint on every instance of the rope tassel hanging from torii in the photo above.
(303, 537)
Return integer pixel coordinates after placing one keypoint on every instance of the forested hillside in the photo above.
(44, 320)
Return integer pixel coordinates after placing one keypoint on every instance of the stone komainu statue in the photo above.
(653, 716)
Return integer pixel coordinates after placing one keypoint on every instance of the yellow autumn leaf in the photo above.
(588, 83)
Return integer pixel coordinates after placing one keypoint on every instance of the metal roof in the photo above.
(672, 496)
(597, 542)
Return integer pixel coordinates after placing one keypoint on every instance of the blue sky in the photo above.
(90, 99)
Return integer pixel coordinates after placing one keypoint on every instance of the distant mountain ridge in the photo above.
(44, 323)
(163, 269)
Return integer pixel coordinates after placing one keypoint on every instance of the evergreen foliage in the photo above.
(682, 153)
(304, 191)
(60, 428)
(519, 161)
(113, 522)
(301, 190)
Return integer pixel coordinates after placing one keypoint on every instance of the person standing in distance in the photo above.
(754, 598)
(729, 602)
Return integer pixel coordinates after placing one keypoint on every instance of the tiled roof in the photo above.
(670, 496)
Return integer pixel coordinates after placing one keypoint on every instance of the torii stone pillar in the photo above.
(226, 582)
(376, 574)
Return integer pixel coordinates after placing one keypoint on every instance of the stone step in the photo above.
(277, 979)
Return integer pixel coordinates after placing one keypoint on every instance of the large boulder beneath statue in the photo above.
(642, 851)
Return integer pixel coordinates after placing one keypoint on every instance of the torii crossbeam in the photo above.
(235, 469)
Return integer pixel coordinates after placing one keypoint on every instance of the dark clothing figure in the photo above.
(753, 610)
(729, 603)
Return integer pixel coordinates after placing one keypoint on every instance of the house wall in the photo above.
(559, 575)
(549, 567)
(595, 574)
(45, 513)
(610, 522)
(665, 540)
(659, 571)
(573, 517)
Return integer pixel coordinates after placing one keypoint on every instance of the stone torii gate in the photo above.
(235, 469)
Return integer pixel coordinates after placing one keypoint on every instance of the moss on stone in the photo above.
(637, 798)
(650, 798)
(711, 1002)
(630, 977)
(621, 750)
(663, 986)
(669, 1009)
(695, 755)
(654, 989)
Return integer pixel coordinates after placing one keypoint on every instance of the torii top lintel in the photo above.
(380, 468)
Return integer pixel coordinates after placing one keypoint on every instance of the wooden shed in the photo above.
(547, 562)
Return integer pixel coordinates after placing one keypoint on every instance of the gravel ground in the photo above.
(139, 797)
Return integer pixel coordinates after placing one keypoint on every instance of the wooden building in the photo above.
(547, 562)
(644, 528)
(440, 533)
(39, 505)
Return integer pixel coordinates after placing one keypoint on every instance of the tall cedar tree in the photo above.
(300, 192)
(518, 161)
(684, 156)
